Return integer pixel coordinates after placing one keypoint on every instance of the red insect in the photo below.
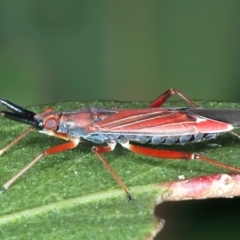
(128, 127)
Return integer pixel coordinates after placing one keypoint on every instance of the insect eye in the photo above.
(51, 123)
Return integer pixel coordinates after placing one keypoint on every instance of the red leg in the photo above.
(176, 155)
(52, 150)
(102, 149)
(55, 134)
(164, 97)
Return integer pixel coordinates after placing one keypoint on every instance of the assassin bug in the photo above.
(128, 127)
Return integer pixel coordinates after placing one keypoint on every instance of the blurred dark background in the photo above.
(121, 50)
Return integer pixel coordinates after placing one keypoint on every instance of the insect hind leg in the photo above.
(174, 155)
(164, 97)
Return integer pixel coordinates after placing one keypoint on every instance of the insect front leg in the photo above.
(18, 114)
(52, 150)
(3, 150)
(169, 154)
(102, 149)
(164, 97)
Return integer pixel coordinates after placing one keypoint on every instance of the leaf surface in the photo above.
(70, 195)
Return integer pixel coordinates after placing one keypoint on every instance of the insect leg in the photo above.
(15, 140)
(164, 97)
(52, 150)
(102, 149)
(235, 134)
(169, 154)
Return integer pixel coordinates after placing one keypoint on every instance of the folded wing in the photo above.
(161, 122)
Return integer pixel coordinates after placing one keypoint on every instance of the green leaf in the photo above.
(70, 195)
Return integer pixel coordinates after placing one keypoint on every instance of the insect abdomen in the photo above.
(155, 140)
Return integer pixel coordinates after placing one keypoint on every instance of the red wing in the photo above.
(162, 122)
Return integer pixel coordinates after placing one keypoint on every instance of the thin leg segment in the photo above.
(164, 97)
(102, 149)
(3, 150)
(168, 154)
(52, 150)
